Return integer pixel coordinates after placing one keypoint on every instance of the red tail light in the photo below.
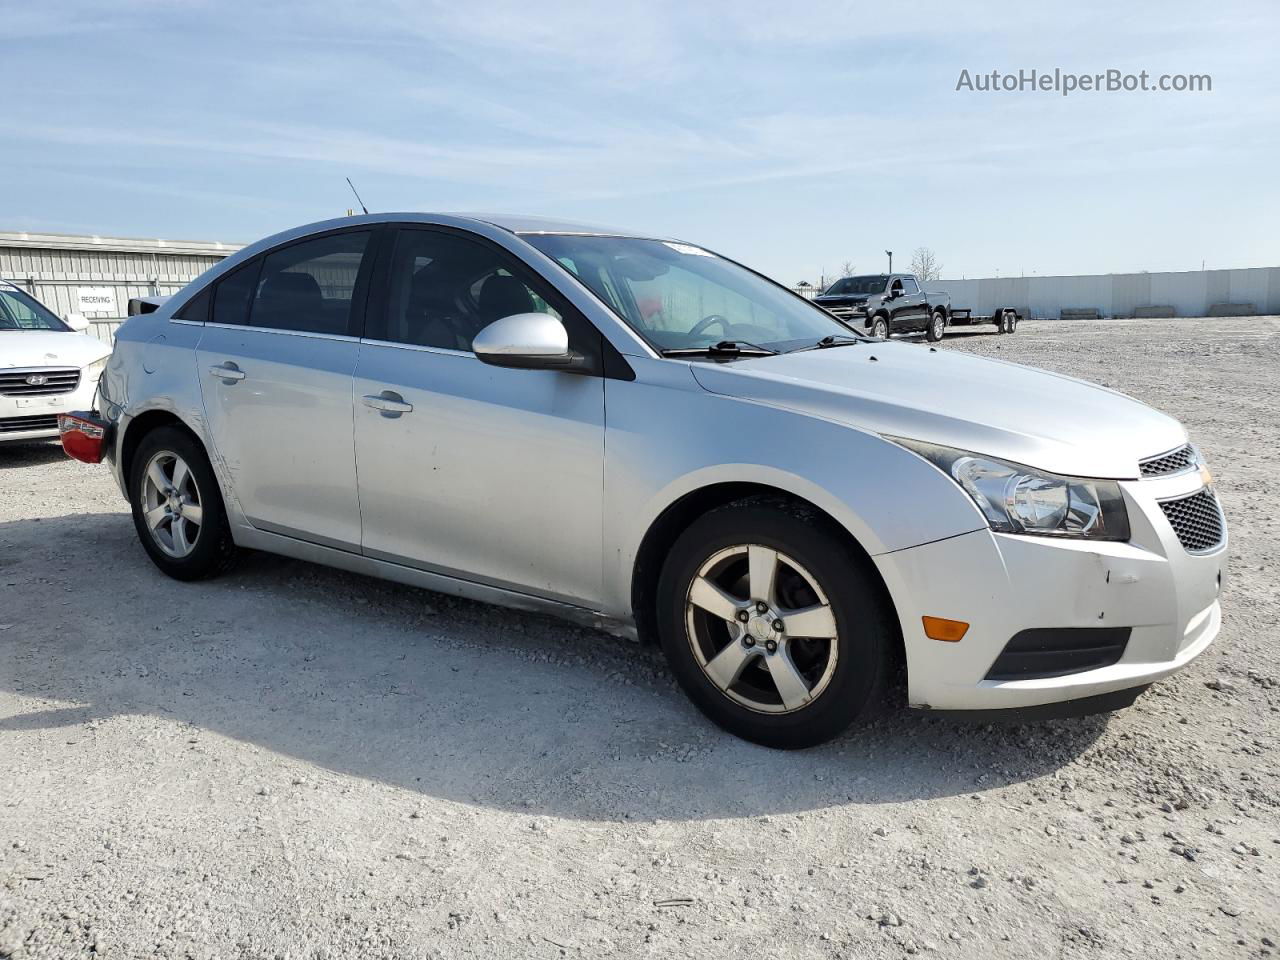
(84, 436)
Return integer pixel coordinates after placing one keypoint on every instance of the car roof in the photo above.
(520, 223)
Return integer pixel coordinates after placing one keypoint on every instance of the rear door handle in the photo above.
(388, 403)
(227, 371)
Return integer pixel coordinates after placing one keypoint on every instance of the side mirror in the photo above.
(527, 341)
(77, 321)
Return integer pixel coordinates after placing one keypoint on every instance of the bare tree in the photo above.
(925, 265)
(847, 268)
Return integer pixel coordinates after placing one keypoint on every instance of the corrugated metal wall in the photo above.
(1191, 294)
(53, 267)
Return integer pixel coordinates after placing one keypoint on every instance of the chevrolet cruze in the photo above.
(639, 434)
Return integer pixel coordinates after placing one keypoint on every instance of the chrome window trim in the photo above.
(187, 323)
(418, 347)
(343, 337)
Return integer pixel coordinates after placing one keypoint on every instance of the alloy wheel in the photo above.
(171, 504)
(762, 629)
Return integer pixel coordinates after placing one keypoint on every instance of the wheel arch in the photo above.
(676, 518)
(142, 424)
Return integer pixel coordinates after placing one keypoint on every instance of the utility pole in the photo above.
(890, 253)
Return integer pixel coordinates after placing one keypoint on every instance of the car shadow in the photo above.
(30, 453)
(441, 696)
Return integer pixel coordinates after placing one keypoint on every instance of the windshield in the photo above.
(21, 312)
(678, 296)
(869, 284)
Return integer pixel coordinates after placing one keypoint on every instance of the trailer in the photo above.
(1006, 319)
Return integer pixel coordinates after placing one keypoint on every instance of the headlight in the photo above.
(95, 369)
(1018, 499)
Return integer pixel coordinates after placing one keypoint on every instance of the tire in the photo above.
(841, 678)
(880, 328)
(1012, 323)
(999, 321)
(937, 327)
(184, 547)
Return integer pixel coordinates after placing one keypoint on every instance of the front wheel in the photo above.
(773, 625)
(880, 328)
(937, 327)
(177, 507)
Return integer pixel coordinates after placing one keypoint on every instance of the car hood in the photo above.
(52, 348)
(1000, 409)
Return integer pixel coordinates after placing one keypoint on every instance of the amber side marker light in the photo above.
(948, 631)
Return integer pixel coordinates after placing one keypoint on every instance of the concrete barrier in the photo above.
(1079, 313)
(1233, 310)
(1154, 311)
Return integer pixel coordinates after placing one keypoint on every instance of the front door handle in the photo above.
(388, 403)
(228, 372)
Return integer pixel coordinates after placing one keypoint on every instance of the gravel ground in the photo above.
(297, 762)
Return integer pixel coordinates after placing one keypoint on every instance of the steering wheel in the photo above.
(708, 320)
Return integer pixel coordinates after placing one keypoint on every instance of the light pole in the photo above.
(890, 253)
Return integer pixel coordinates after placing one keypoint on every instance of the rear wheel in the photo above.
(177, 507)
(937, 326)
(880, 328)
(772, 624)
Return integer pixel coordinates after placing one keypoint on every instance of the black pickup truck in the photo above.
(885, 303)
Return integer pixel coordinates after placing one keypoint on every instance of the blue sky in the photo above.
(793, 137)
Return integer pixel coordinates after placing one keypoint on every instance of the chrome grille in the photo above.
(47, 380)
(845, 313)
(22, 424)
(1175, 461)
(1197, 520)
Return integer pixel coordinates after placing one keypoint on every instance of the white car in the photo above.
(47, 367)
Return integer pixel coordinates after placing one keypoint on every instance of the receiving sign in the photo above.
(96, 299)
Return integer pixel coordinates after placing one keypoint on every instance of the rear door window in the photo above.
(233, 293)
(310, 286)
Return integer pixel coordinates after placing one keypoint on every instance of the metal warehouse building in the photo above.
(96, 276)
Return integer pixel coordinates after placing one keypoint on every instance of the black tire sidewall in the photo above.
(213, 543)
(862, 620)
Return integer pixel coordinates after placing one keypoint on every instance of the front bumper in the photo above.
(1002, 584)
(15, 411)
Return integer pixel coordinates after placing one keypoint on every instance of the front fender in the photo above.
(886, 497)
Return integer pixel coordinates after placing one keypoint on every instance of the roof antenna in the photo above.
(358, 200)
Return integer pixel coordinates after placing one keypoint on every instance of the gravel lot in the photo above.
(297, 762)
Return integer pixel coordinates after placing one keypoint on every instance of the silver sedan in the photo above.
(639, 434)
